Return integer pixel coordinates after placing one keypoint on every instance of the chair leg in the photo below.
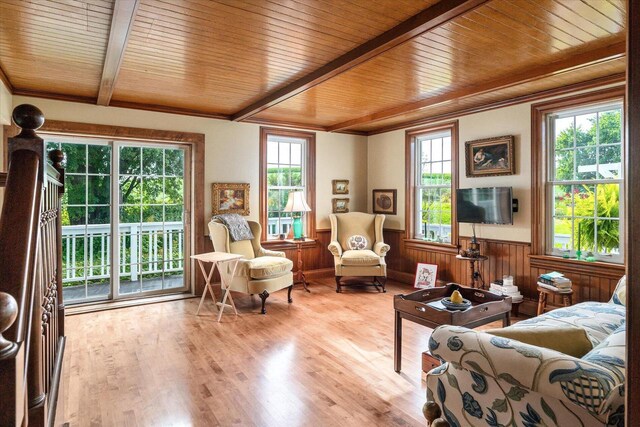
(380, 281)
(289, 300)
(338, 286)
(263, 296)
(383, 281)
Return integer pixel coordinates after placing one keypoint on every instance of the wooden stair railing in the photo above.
(31, 307)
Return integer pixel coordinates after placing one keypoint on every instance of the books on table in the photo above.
(554, 288)
(555, 281)
(506, 290)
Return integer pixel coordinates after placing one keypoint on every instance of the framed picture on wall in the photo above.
(490, 157)
(340, 205)
(340, 186)
(229, 198)
(385, 202)
(426, 275)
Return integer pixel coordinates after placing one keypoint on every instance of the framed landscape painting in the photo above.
(230, 198)
(340, 186)
(340, 205)
(426, 275)
(490, 156)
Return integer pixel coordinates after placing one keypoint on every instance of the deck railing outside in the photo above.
(163, 244)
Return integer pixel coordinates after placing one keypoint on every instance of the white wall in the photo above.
(5, 119)
(5, 114)
(232, 150)
(387, 167)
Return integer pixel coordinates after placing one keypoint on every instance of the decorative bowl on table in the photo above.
(446, 301)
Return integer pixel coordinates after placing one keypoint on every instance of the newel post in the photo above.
(28, 118)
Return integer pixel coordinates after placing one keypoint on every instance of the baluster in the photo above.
(91, 263)
(73, 257)
(67, 255)
(181, 250)
(170, 257)
(134, 252)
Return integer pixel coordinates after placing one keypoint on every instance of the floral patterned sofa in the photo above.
(492, 381)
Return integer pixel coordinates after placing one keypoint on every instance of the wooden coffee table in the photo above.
(424, 307)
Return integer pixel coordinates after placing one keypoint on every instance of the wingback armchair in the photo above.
(261, 271)
(367, 260)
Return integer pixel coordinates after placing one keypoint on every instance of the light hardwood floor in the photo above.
(325, 360)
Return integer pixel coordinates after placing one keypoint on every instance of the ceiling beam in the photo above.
(563, 65)
(124, 12)
(428, 19)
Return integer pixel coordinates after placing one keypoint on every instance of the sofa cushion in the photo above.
(620, 292)
(265, 267)
(598, 319)
(363, 257)
(569, 340)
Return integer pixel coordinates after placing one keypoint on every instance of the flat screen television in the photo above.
(485, 205)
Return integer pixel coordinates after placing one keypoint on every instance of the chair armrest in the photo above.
(381, 248)
(529, 368)
(335, 248)
(267, 252)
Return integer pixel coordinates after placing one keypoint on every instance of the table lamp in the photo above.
(297, 205)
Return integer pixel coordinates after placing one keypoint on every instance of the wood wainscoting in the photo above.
(591, 281)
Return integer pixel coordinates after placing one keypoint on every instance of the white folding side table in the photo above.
(219, 259)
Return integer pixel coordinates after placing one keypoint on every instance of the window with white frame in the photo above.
(286, 172)
(433, 186)
(585, 183)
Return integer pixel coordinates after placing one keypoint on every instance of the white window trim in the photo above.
(550, 182)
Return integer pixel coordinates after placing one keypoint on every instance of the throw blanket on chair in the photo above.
(237, 225)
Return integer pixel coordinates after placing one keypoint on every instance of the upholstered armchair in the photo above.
(358, 248)
(261, 271)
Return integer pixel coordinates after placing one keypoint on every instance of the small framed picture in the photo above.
(340, 186)
(490, 157)
(230, 198)
(426, 275)
(340, 205)
(385, 202)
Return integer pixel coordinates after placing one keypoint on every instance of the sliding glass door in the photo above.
(151, 197)
(123, 222)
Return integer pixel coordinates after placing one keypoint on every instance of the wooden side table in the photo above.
(544, 292)
(300, 278)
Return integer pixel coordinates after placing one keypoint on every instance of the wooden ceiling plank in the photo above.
(427, 19)
(160, 40)
(493, 104)
(529, 26)
(52, 15)
(576, 61)
(252, 28)
(124, 12)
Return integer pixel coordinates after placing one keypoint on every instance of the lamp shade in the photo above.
(297, 203)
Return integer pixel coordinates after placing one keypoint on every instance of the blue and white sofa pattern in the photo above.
(494, 381)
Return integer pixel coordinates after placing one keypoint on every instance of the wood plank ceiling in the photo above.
(338, 65)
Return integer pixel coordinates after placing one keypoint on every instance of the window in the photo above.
(585, 179)
(432, 180)
(288, 164)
